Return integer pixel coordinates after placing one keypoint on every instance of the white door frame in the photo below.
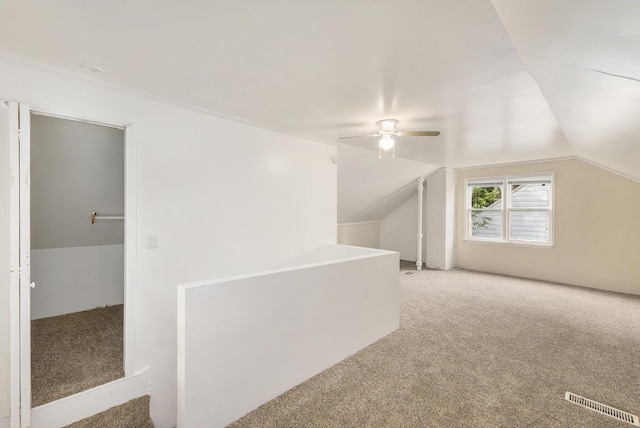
(130, 248)
(20, 264)
(21, 355)
(14, 264)
(25, 265)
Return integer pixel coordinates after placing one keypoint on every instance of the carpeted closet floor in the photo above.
(74, 352)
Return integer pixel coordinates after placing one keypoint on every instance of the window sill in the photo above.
(511, 243)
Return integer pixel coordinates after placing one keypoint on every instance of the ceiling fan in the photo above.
(387, 129)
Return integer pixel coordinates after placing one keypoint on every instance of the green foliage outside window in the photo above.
(483, 197)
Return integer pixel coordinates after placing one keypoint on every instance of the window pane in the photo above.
(486, 197)
(530, 195)
(529, 225)
(486, 224)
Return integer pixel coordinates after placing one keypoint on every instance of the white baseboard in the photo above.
(88, 403)
(4, 422)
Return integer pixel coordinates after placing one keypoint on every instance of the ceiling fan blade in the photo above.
(361, 136)
(418, 133)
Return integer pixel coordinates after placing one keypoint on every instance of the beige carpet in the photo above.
(74, 352)
(132, 414)
(479, 350)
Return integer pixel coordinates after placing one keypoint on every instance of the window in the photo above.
(511, 209)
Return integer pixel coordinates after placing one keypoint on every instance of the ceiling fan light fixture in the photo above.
(387, 142)
(387, 129)
(387, 125)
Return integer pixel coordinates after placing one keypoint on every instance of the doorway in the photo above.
(77, 256)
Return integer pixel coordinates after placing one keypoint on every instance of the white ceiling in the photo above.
(504, 81)
(585, 57)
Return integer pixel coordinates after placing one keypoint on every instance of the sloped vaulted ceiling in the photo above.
(504, 80)
(585, 57)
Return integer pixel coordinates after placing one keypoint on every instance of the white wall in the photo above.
(223, 197)
(366, 234)
(76, 168)
(596, 223)
(245, 340)
(441, 211)
(93, 276)
(399, 230)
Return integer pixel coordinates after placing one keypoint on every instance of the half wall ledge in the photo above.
(244, 340)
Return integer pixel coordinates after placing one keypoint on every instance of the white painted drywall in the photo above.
(399, 230)
(370, 188)
(596, 230)
(5, 386)
(223, 197)
(246, 340)
(76, 168)
(365, 234)
(440, 230)
(76, 279)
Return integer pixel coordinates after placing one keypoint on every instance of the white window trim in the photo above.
(506, 209)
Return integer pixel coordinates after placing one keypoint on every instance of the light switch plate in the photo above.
(152, 241)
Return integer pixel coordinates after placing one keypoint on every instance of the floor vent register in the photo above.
(602, 408)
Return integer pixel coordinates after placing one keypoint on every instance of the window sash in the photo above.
(531, 227)
(483, 225)
(535, 197)
(481, 183)
(512, 229)
(529, 180)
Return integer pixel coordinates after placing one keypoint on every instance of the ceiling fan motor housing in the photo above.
(387, 125)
